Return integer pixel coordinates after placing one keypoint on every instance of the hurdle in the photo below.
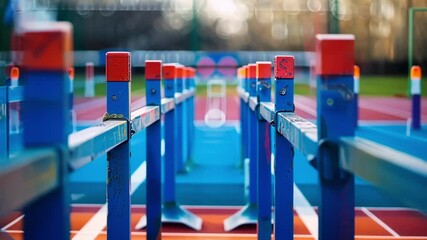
(36, 179)
(330, 145)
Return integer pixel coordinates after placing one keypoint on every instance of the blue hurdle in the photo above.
(330, 146)
(36, 179)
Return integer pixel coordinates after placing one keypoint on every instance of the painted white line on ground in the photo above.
(379, 222)
(12, 223)
(306, 212)
(98, 222)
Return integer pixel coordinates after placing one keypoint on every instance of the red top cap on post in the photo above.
(246, 71)
(284, 67)
(153, 70)
(263, 69)
(416, 73)
(47, 46)
(118, 67)
(180, 72)
(71, 73)
(14, 73)
(356, 71)
(252, 70)
(334, 54)
(169, 71)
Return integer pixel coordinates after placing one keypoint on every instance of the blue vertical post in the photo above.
(253, 139)
(169, 75)
(356, 89)
(153, 76)
(263, 76)
(46, 97)
(243, 116)
(416, 97)
(335, 118)
(180, 161)
(71, 97)
(284, 152)
(191, 86)
(118, 73)
(4, 119)
(187, 80)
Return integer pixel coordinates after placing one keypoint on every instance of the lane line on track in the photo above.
(306, 212)
(97, 223)
(380, 222)
(12, 223)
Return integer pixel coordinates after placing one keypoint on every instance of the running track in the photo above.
(371, 108)
(371, 224)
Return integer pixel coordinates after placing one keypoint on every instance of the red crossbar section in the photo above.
(169, 71)
(263, 69)
(192, 72)
(334, 54)
(153, 70)
(118, 67)
(48, 46)
(284, 67)
(252, 70)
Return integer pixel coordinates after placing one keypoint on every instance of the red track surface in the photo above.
(371, 108)
(371, 224)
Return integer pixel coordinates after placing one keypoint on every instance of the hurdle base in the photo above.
(246, 215)
(173, 213)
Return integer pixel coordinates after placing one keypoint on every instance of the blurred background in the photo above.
(381, 27)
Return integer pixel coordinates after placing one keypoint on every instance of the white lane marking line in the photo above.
(13, 222)
(380, 222)
(306, 212)
(98, 222)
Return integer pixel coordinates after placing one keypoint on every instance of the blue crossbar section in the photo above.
(398, 173)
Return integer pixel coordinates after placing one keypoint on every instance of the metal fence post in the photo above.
(153, 76)
(284, 151)
(118, 73)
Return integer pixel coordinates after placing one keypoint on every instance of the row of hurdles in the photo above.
(330, 146)
(36, 180)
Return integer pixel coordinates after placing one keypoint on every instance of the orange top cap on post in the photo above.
(71, 73)
(180, 72)
(415, 73)
(356, 71)
(284, 67)
(263, 69)
(334, 54)
(245, 71)
(47, 46)
(14, 73)
(118, 68)
(153, 70)
(252, 70)
(169, 71)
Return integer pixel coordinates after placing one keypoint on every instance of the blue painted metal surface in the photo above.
(144, 117)
(380, 165)
(284, 156)
(33, 173)
(4, 129)
(118, 159)
(45, 117)
(335, 106)
(416, 111)
(154, 158)
(179, 124)
(264, 162)
(90, 143)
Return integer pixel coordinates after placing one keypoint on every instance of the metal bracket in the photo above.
(119, 117)
(328, 164)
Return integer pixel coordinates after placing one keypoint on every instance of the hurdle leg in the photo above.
(46, 120)
(118, 159)
(284, 151)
